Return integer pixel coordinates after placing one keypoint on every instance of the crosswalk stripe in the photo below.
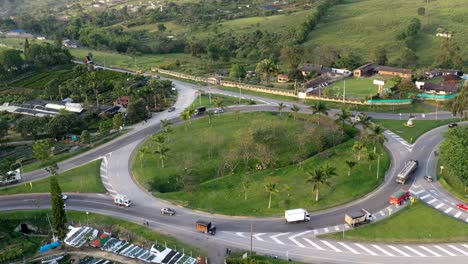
(416, 192)
(399, 251)
(425, 196)
(331, 246)
(382, 213)
(313, 244)
(366, 249)
(348, 248)
(444, 250)
(257, 236)
(383, 250)
(240, 234)
(430, 251)
(416, 186)
(440, 205)
(415, 251)
(292, 238)
(448, 210)
(432, 201)
(459, 250)
(458, 214)
(275, 238)
(315, 231)
(326, 229)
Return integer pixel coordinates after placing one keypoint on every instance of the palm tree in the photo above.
(317, 178)
(281, 106)
(267, 67)
(329, 170)
(237, 113)
(245, 188)
(378, 135)
(295, 109)
(162, 151)
(344, 116)
(220, 103)
(142, 151)
(351, 164)
(318, 108)
(459, 103)
(166, 125)
(185, 115)
(365, 121)
(210, 115)
(371, 156)
(271, 188)
(358, 147)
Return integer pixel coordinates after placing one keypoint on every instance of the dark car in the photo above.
(428, 178)
(452, 125)
(167, 211)
(171, 109)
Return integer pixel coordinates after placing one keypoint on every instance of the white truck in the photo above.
(296, 215)
(404, 174)
(11, 177)
(122, 200)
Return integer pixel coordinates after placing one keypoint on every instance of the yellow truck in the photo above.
(358, 218)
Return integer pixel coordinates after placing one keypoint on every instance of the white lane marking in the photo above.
(346, 226)
(382, 213)
(425, 196)
(366, 249)
(448, 210)
(313, 244)
(315, 231)
(399, 251)
(465, 245)
(415, 251)
(331, 246)
(440, 205)
(444, 250)
(416, 186)
(383, 250)
(240, 234)
(348, 248)
(430, 251)
(417, 193)
(458, 214)
(432, 201)
(326, 229)
(292, 238)
(275, 238)
(459, 250)
(257, 236)
(337, 228)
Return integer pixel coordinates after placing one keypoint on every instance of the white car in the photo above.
(218, 111)
(64, 197)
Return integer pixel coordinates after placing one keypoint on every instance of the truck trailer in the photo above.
(404, 174)
(206, 227)
(296, 215)
(397, 198)
(358, 218)
(122, 200)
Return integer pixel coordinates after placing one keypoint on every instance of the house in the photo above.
(452, 78)
(365, 70)
(442, 72)
(283, 78)
(19, 33)
(440, 88)
(392, 71)
(123, 101)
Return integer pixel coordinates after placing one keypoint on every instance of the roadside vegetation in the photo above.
(417, 223)
(269, 161)
(236, 258)
(219, 101)
(83, 179)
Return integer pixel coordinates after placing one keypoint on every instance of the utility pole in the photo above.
(240, 91)
(437, 108)
(344, 90)
(378, 165)
(251, 236)
(52, 230)
(209, 92)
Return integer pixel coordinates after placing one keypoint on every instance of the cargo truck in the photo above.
(122, 200)
(358, 218)
(11, 177)
(296, 215)
(404, 174)
(397, 198)
(206, 227)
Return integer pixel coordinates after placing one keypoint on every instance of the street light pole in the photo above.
(378, 165)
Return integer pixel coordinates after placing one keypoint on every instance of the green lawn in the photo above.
(416, 223)
(83, 179)
(410, 134)
(236, 258)
(452, 184)
(358, 88)
(11, 242)
(200, 149)
(204, 100)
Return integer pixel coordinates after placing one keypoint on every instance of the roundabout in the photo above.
(266, 235)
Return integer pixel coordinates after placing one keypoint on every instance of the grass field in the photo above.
(212, 192)
(83, 179)
(416, 223)
(359, 25)
(358, 88)
(236, 258)
(30, 245)
(410, 134)
(204, 100)
(452, 184)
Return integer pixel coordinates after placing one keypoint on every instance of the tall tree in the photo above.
(42, 149)
(266, 67)
(319, 107)
(379, 56)
(245, 188)
(459, 105)
(85, 137)
(162, 151)
(295, 109)
(10, 60)
(350, 164)
(377, 135)
(358, 147)
(59, 218)
(448, 55)
(237, 72)
(4, 126)
(317, 178)
(117, 121)
(343, 116)
(281, 106)
(453, 157)
(292, 55)
(271, 188)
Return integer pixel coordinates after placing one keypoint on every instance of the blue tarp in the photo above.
(49, 246)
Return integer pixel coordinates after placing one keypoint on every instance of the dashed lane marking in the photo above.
(448, 210)
(457, 214)
(257, 236)
(383, 250)
(415, 251)
(459, 250)
(240, 234)
(439, 205)
(313, 244)
(432, 201)
(337, 228)
(445, 251)
(331, 246)
(292, 238)
(348, 248)
(430, 251)
(366, 249)
(399, 251)
(275, 238)
(425, 196)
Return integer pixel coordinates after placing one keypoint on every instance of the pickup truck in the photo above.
(397, 198)
(122, 200)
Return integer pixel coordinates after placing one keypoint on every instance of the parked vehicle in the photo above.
(296, 215)
(399, 197)
(428, 178)
(11, 177)
(409, 168)
(452, 125)
(167, 211)
(206, 227)
(122, 200)
(358, 218)
(200, 110)
(462, 206)
(218, 111)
